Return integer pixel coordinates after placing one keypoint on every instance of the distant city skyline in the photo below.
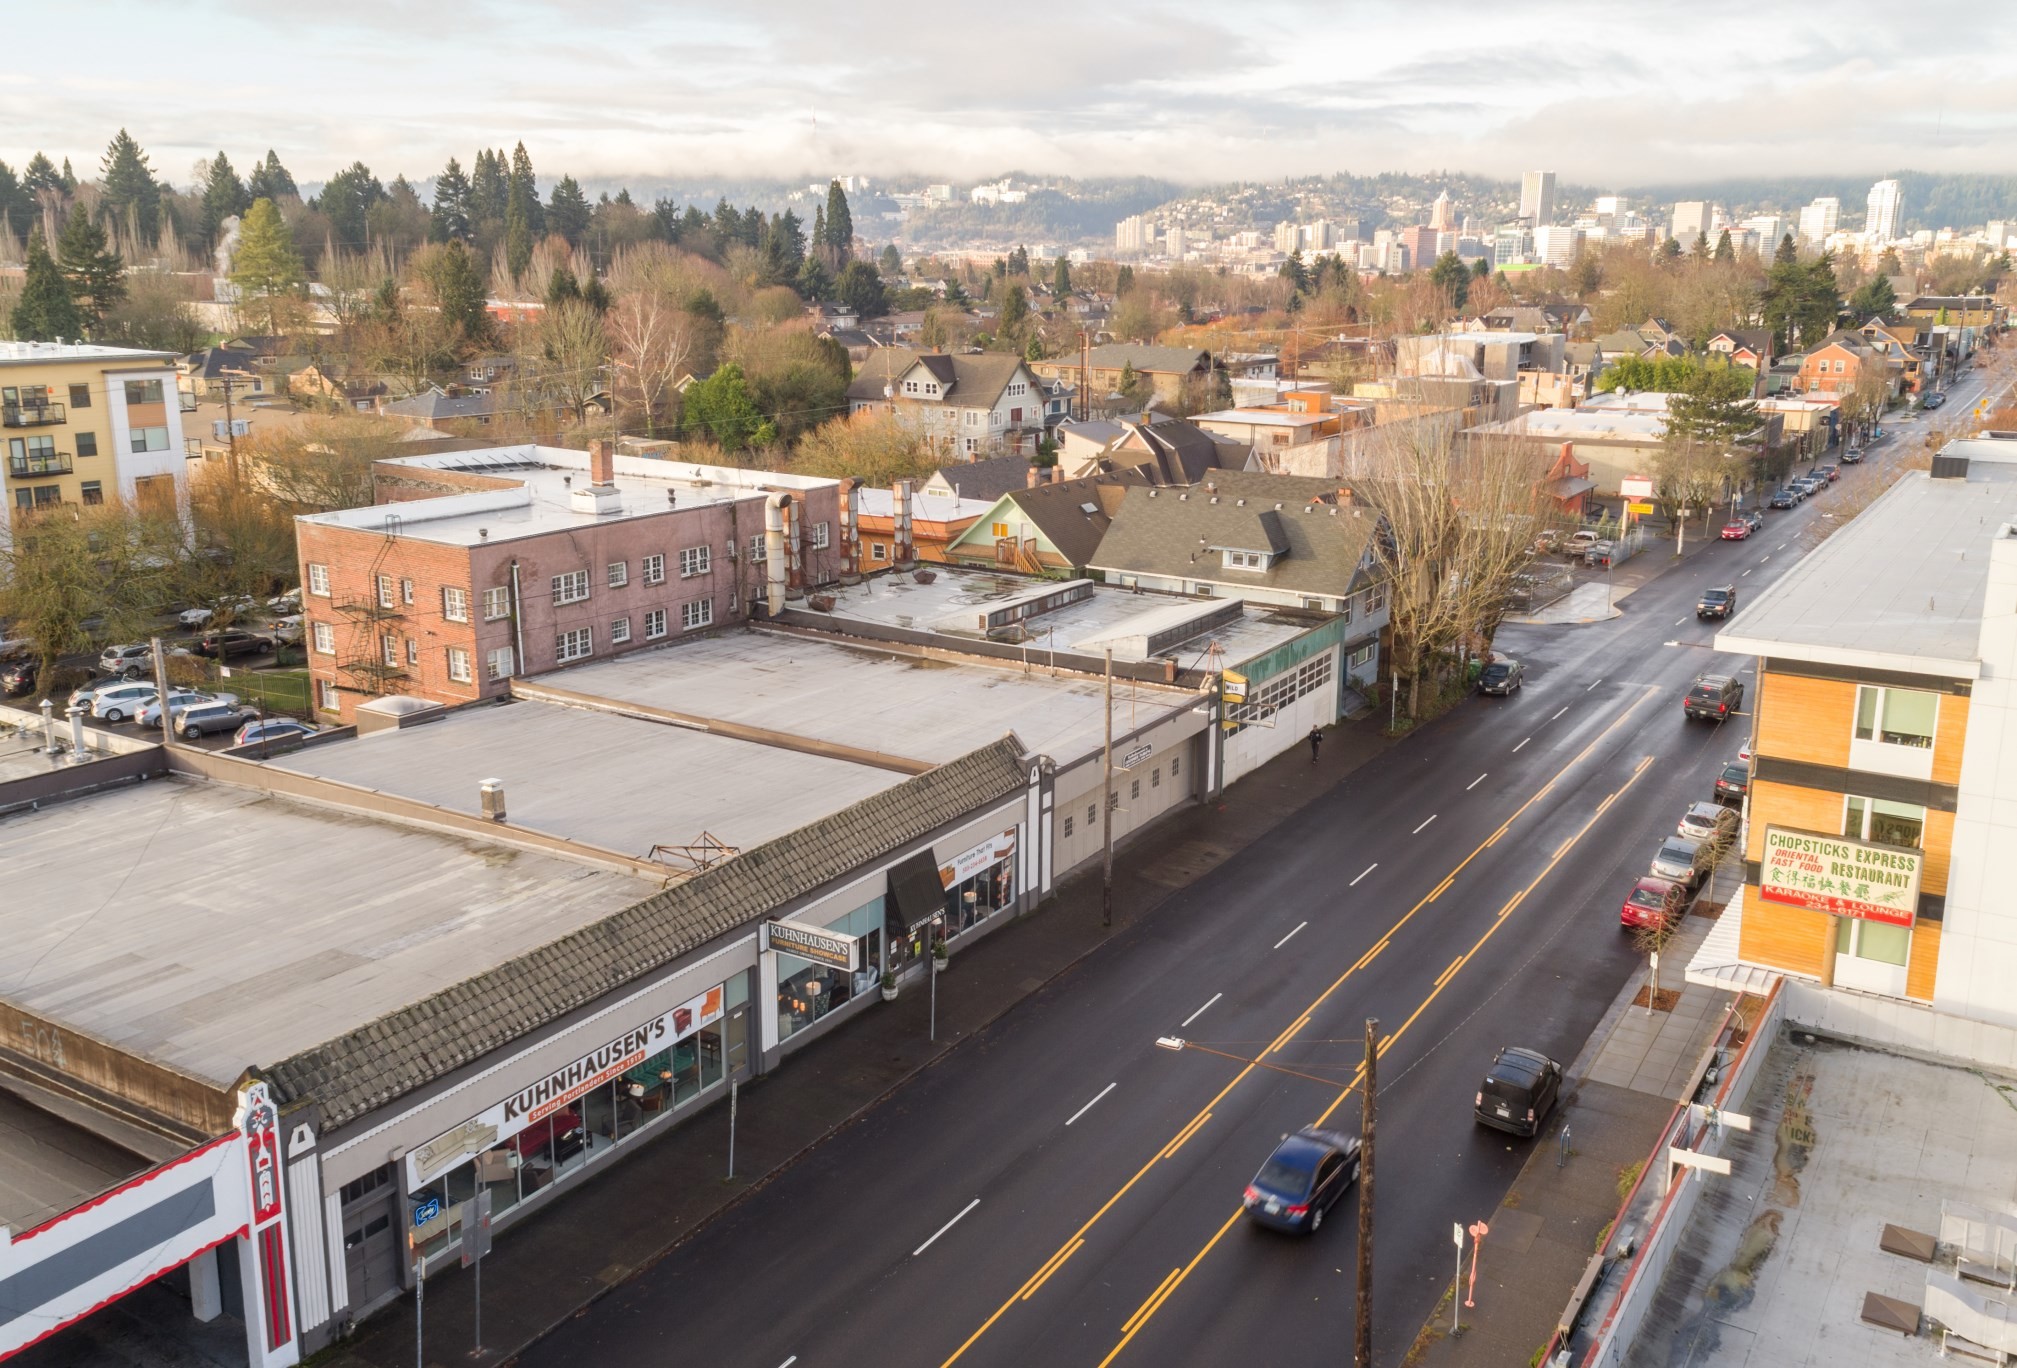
(625, 90)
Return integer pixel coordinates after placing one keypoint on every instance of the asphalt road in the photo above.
(1065, 1191)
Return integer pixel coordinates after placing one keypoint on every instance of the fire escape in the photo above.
(370, 659)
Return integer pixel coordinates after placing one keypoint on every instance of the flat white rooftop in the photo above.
(541, 503)
(43, 353)
(895, 705)
(1903, 585)
(621, 783)
(1582, 424)
(925, 505)
(211, 928)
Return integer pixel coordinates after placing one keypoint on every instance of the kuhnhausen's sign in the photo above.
(1836, 875)
(814, 943)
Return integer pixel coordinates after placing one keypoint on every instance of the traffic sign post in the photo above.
(476, 1244)
(1479, 1230)
(1457, 1236)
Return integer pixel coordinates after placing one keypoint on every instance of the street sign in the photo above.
(1635, 486)
(476, 1228)
(1639, 507)
(1136, 756)
(1233, 685)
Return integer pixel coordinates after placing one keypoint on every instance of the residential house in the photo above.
(900, 329)
(1166, 451)
(1878, 834)
(361, 393)
(1167, 371)
(832, 313)
(1744, 346)
(937, 517)
(441, 410)
(1299, 433)
(1957, 311)
(1045, 528)
(1567, 484)
(855, 342)
(873, 389)
(476, 566)
(244, 365)
(1278, 539)
(1843, 359)
(85, 425)
(971, 404)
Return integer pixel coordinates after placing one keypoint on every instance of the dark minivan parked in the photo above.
(1520, 1089)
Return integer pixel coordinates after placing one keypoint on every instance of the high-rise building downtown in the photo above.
(1818, 219)
(1691, 222)
(1537, 197)
(1440, 215)
(1880, 222)
(1133, 234)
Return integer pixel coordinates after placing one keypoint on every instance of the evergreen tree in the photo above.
(790, 230)
(457, 282)
(819, 241)
(1294, 271)
(1785, 254)
(727, 223)
(346, 200)
(449, 219)
(1481, 269)
(1019, 262)
(1124, 280)
(721, 407)
(860, 288)
(955, 293)
(270, 180)
(568, 213)
(223, 197)
(839, 221)
(522, 193)
(561, 287)
(1700, 251)
(1061, 278)
(812, 282)
(266, 267)
(596, 295)
(1726, 251)
(17, 205)
(489, 193)
(751, 232)
(40, 174)
(1876, 299)
(1888, 264)
(1015, 312)
(891, 261)
(129, 187)
(517, 243)
(95, 275)
(44, 310)
(1670, 250)
(1451, 279)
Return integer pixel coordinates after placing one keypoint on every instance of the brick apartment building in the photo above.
(475, 566)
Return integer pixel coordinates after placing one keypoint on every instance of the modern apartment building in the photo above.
(475, 566)
(89, 425)
(1883, 212)
(1819, 219)
(1537, 198)
(1879, 831)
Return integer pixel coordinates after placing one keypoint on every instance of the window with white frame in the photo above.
(458, 664)
(819, 536)
(318, 579)
(619, 574)
(1278, 693)
(496, 603)
(406, 591)
(757, 550)
(454, 603)
(619, 631)
(498, 663)
(573, 644)
(654, 624)
(1896, 717)
(571, 587)
(325, 690)
(1376, 598)
(1246, 560)
(388, 650)
(386, 592)
(653, 569)
(697, 613)
(695, 560)
(1359, 659)
(877, 551)
(1887, 823)
(325, 639)
(413, 651)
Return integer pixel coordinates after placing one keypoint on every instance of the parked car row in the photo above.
(1682, 864)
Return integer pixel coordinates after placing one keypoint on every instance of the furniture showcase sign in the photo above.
(1841, 877)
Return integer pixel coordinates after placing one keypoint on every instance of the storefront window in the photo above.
(982, 893)
(808, 990)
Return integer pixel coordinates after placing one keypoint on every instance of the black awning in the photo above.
(915, 893)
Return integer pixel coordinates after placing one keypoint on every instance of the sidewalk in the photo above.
(549, 1266)
(1622, 1090)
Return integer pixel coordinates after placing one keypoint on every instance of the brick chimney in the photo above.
(601, 463)
(1058, 473)
(1033, 477)
(599, 496)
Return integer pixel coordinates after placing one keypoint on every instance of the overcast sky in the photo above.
(1605, 93)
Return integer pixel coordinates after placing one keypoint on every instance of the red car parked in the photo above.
(1736, 530)
(1653, 902)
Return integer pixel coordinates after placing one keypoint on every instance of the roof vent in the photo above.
(1950, 467)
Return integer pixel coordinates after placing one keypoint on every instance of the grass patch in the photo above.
(1628, 1176)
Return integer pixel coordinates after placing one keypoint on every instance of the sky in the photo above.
(1604, 93)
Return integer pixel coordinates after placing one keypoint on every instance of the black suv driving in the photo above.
(1714, 697)
(1717, 603)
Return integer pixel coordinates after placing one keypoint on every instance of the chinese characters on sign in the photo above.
(1841, 877)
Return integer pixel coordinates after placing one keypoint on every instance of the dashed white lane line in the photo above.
(944, 1228)
(1595, 682)
(1680, 622)
(1558, 714)
(1780, 547)
(1291, 936)
(1475, 782)
(1187, 1021)
(1516, 749)
(1362, 874)
(1747, 572)
(788, 1362)
(1763, 559)
(1090, 1105)
(1418, 830)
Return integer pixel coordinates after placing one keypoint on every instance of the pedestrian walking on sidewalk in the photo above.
(1316, 740)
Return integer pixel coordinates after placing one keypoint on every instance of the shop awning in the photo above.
(915, 893)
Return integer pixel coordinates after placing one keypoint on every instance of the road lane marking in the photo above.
(788, 1362)
(1197, 1124)
(1647, 692)
(1475, 782)
(1150, 1302)
(1747, 572)
(1780, 547)
(1594, 683)
(1057, 1261)
(1418, 830)
(1517, 749)
(1107, 1089)
(1440, 888)
(1763, 559)
(1362, 874)
(1565, 709)
(1679, 622)
(1291, 936)
(1163, 1293)
(944, 1228)
(1195, 1015)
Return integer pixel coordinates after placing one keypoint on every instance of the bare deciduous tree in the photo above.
(652, 343)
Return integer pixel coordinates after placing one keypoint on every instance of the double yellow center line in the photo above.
(1191, 1127)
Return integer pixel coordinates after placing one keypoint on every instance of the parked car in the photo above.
(1653, 902)
(289, 602)
(1713, 696)
(18, 678)
(119, 702)
(1852, 456)
(1707, 822)
(1719, 602)
(179, 702)
(1502, 676)
(1733, 783)
(271, 729)
(1737, 529)
(1580, 541)
(1753, 516)
(219, 716)
(1682, 861)
(1933, 400)
(1520, 1089)
(194, 617)
(126, 660)
(1830, 473)
(88, 690)
(1305, 1176)
(287, 630)
(1782, 497)
(1601, 555)
(224, 645)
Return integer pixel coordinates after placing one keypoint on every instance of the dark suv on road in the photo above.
(1719, 602)
(1713, 697)
(1520, 1090)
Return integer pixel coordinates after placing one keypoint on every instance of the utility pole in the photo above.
(1363, 1338)
(1107, 808)
(161, 689)
(230, 433)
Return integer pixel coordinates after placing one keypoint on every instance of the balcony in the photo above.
(50, 463)
(33, 415)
